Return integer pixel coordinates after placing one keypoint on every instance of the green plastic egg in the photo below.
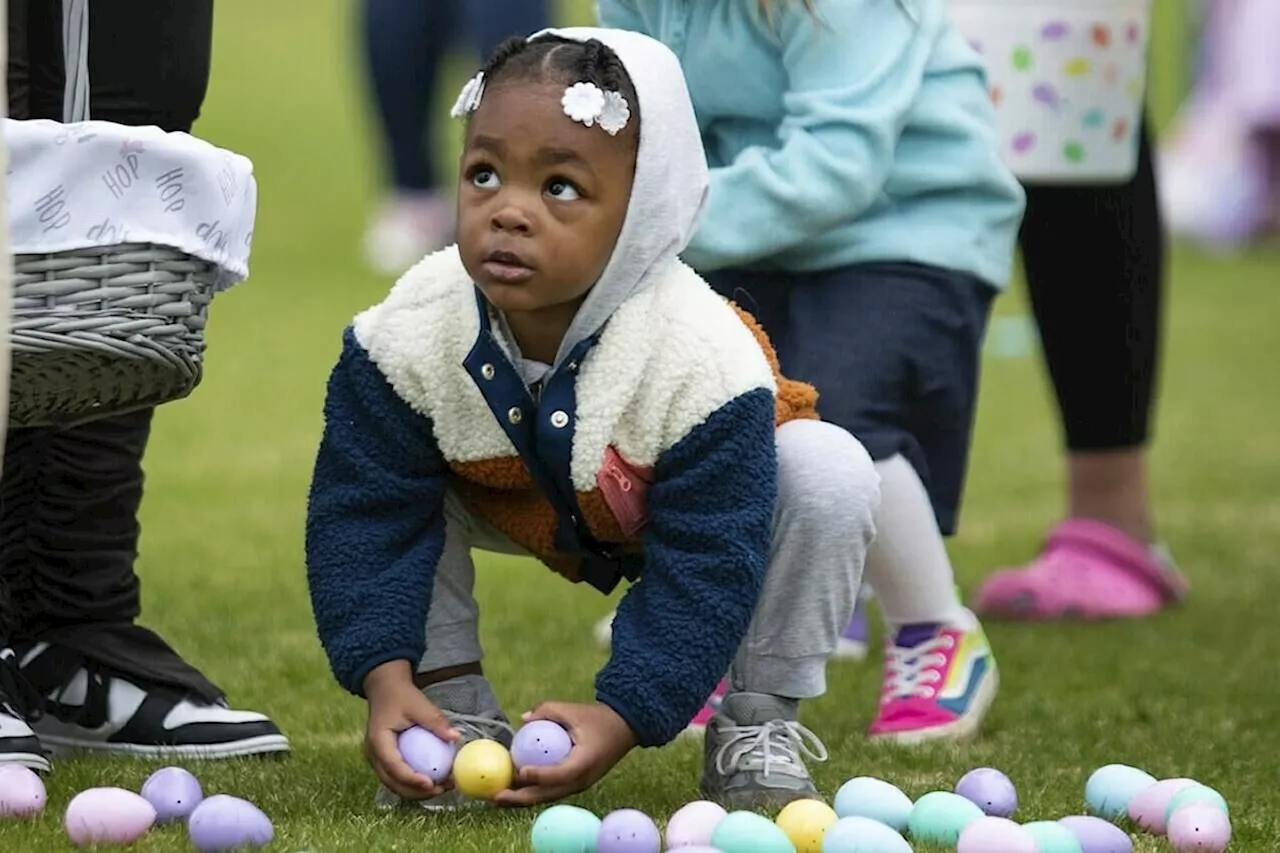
(1196, 793)
(565, 829)
(1052, 837)
(747, 832)
(940, 816)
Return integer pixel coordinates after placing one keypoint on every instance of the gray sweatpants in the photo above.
(828, 497)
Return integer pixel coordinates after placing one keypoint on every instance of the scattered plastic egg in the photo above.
(173, 792)
(990, 790)
(223, 823)
(859, 834)
(482, 768)
(22, 793)
(995, 835)
(1052, 837)
(1097, 835)
(1111, 788)
(748, 832)
(876, 799)
(1148, 809)
(426, 753)
(940, 816)
(805, 822)
(693, 824)
(540, 743)
(107, 816)
(1196, 793)
(1199, 827)
(565, 829)
(628, 831)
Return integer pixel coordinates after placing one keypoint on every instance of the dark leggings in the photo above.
(404, 45)
(69, 498)
(1094, 259)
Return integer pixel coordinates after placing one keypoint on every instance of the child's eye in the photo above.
(485, 178)
(562, 190)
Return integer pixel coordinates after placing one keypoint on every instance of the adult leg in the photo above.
(494, 21)
(1101, 562)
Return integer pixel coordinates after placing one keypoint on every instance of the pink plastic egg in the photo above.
(426, 753)
(228, 823)
(1148, 807)
(995, 835)
(1199, 827)
(173, 792)
(1097, 835)
(22, 793)
(693, 824)
(108, 816)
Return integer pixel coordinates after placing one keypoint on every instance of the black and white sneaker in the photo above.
(19, 744)
(93, 708)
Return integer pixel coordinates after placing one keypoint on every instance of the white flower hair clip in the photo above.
(591, 105)
(469, 97)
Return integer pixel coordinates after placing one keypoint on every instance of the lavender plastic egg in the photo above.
(995, 835)
(223, 823)
(628, 831)
(173, 792)
(1199, 826)
(426, 753)
(1097, 835)
(693, 824)
(863, 835)
(22, 794)
(1111, 788)
(865, 796)
(107, 816)
(990, 790)
(540, 743)
(1148, 809)
(1052, 837)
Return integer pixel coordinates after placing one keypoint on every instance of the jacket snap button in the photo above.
(514, 414)
(486, 370)
(559, 419)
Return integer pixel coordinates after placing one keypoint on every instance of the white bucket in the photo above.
(1068, 79)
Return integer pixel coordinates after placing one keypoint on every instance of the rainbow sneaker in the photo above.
(939, 682)
(698, 724)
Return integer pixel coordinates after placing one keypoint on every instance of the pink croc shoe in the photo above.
(1087, 570)
(698, 724)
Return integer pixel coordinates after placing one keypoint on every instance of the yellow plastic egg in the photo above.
(805, 822)
(482, 768)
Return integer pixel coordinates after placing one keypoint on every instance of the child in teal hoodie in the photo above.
(860, 209)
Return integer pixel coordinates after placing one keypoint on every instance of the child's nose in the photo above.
(512, 217)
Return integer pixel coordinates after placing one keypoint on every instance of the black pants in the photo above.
(1094, 258)
(69, 498)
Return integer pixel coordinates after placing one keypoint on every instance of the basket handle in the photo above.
(75, 49)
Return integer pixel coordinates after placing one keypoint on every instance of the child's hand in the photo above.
(395, 704)
(600, 740)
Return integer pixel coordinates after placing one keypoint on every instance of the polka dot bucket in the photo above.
(1068, 81)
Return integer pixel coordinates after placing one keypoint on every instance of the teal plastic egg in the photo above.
(565, 829)
(863, 835)
(1196, 793)
(940, 816)
(747, 832)
(875, 799)
(1110, 790)
(1052, 837)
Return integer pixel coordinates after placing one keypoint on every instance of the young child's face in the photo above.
(541, 198)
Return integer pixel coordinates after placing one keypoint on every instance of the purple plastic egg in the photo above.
(1148, 808)
(628, 831)
(990, 790)
(228, 823)
(693, 824)
(540, 743)
(173, 792)
(107, 816)
(1199, 827)
(1097, 835)
(995, 835)
(22, 794)
(426, 753)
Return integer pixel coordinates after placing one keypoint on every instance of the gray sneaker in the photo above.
(755, 751)
(470, 705)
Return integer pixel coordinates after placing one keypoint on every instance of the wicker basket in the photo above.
(105, 330)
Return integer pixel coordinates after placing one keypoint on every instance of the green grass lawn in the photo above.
(1186, 694)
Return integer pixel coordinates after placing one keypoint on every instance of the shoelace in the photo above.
(911, 672)
(479, 727)
(777, 745)
(16, 693)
